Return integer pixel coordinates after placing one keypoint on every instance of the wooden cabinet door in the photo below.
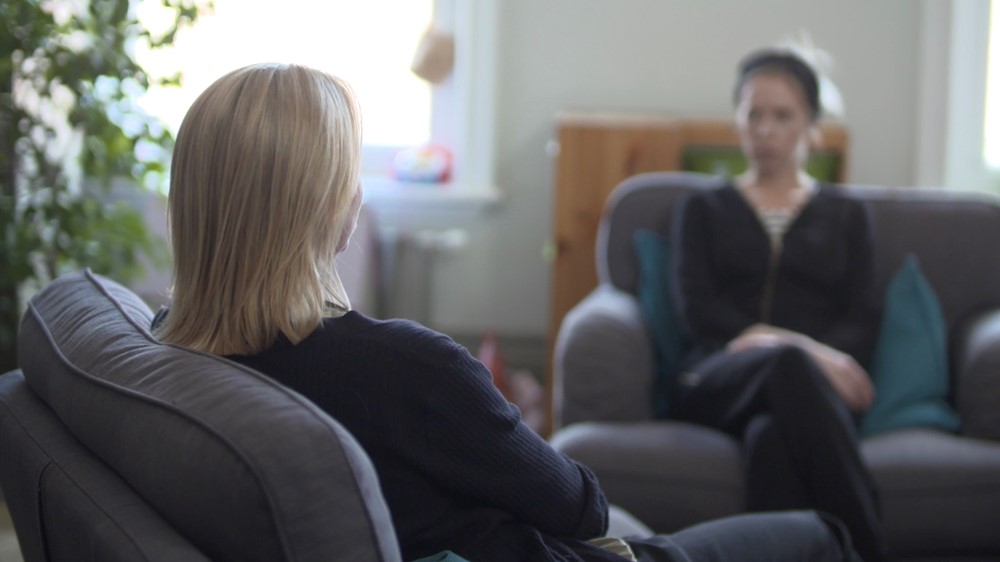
(595, 155)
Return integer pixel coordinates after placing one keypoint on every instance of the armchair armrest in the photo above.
(604, 363)
(978, 378)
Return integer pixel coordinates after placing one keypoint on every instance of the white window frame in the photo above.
(965, 167)
(463, 119)
(953, 96)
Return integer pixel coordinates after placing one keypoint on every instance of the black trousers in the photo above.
(800, 442)
(792, 536)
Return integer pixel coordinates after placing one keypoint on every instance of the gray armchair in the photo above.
(940, 493)
(116, 447)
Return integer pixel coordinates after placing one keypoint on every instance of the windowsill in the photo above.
(413, 205)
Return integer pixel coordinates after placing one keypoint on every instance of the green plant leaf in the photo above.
(50, 223)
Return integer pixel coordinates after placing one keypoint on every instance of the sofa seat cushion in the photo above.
(939, 492)
(668, 474)
(242, 466)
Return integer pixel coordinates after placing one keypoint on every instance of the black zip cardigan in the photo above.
(822, 277)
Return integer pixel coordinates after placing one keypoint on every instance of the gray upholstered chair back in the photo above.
(66, 505)
(956, 235)
(242, 467)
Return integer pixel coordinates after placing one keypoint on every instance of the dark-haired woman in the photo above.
(775, 272)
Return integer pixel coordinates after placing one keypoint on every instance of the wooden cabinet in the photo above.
(595, 154)
(596, 151)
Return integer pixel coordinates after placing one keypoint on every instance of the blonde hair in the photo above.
(263, 177)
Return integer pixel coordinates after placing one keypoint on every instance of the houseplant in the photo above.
(69, 125)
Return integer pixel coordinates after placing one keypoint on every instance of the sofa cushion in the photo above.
(244, 467)
(910, 365)
(939, 492)
(656, 301)
(668, 474)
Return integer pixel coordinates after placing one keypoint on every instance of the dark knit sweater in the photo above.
(458, 468)
(821, 282)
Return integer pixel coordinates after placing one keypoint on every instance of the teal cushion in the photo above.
(910, 365)
(665, 328)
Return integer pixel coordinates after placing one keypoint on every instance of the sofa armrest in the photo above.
(978, 377)
(604, 363)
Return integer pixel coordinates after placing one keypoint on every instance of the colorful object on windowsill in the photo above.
(428, 164)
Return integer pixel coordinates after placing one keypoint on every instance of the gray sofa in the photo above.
(114, 447)
(940, 493)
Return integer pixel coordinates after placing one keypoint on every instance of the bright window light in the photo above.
(991, 118)
(370, 44)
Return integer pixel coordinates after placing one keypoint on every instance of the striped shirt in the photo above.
(776, 222)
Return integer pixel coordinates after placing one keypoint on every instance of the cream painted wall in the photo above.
(674, 56)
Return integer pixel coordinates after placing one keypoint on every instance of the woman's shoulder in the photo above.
(718, 197)
(431, 360)
(841, 195)
(830, 189)
(395, 330)
(724, 188)
(842, 203)
(397, 338)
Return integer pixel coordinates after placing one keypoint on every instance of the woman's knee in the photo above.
(796, 374)
(793, 361)
(760, 428)
(791, 356)
(777, 359)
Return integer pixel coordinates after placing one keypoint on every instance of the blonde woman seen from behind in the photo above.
(264, 193)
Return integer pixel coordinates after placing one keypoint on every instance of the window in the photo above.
(970, 127)
(991, 119)
(370, 44)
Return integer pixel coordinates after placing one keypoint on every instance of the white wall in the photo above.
(671, 56)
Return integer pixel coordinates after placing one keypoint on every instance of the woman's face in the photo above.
(773, 121)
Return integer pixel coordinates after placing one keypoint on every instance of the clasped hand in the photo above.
(849, 379)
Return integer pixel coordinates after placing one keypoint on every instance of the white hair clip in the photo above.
(821, 61)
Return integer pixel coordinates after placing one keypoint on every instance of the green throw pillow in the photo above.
(910, 365)
(665, 328)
